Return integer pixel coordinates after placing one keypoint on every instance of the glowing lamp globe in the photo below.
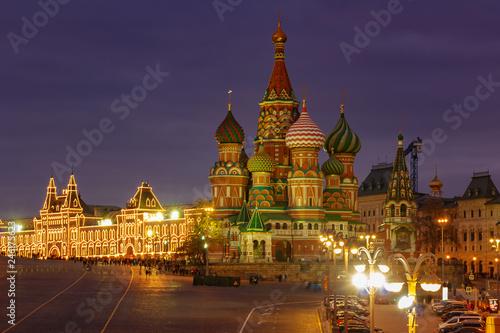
(377, 280)
(360, 280)
(405, 302)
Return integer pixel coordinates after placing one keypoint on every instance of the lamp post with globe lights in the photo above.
(495, 247)
(442, 222)
(374, 280)
(344, 244)
(329, 241)
(429, 282)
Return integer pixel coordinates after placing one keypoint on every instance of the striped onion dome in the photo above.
(332, 166)
(261, 161)
(342, 138)
(304, 133)
(229, 131)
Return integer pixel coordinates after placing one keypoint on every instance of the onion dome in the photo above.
(342, 138)
(279, 35)
(304, 133)
(229, 131)
(332, 166)
(261, 161)
(436, 184)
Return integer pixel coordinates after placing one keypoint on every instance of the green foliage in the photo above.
(207, 230)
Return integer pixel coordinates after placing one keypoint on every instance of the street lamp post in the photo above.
(344, 244)
(496, 240)
(208, 211)
(429, 282)
(329, 241)
(442, 222)
(375, 279)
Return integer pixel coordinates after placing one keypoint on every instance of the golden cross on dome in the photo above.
(229, 105)
(342, 103)
(400, 125)
(279, 15)
(304, 92)
(436, 169)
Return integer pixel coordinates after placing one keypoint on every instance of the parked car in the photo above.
(452, 307)
(362, 301)
(455, 320)
(382, 300)
(466, 323)
(451, 314)
(439, 305)
(470, 330)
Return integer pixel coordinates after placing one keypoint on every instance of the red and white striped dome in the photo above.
(304, 133)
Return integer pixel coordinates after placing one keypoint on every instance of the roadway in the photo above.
(61, 296)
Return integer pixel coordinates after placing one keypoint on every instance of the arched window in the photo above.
(277, 227)
(309, 226)
(316, 226)
(295, 226)
(471, 213)
(403, 210)
(393, 210)
(285, 226)
(269, 226)
(301, 226)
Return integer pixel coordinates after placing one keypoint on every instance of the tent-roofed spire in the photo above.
(244, 215)
(399, 186)
(256, 223)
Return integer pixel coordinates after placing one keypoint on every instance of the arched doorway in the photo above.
(283, 251)
(130, 251)
(54, 252)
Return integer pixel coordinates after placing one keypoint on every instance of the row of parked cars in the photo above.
(457, 317)
(356, 313)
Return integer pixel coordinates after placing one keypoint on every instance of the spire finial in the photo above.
(229, 105)
(436, 171)
(400, 125)
(51, 172)
(279, 16)
(304, 92)
(342, 103)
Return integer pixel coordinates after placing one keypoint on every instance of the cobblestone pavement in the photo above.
(61, 296)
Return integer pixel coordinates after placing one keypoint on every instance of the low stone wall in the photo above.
(308, 271)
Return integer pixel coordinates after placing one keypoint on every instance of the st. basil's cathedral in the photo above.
(282, 183)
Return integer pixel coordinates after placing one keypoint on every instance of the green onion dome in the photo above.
(342, 138)
(261, 161)
(229, 131)
(332, 166)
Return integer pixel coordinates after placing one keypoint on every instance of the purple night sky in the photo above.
(68, 76)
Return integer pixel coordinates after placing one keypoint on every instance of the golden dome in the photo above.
(436, 183)
(279, 35)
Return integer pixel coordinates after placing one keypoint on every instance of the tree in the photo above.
(206, 232)
(430, 230)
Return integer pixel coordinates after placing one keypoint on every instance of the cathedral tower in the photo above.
(305, 180)
(345, 144)
(278, 111)
(399, 206)
(229, 177)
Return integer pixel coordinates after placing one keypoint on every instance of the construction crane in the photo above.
(414, 148)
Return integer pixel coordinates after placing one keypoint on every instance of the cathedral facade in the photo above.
(276, 203)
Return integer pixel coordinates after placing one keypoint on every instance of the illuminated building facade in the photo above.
(67, 227)
(275, 204)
